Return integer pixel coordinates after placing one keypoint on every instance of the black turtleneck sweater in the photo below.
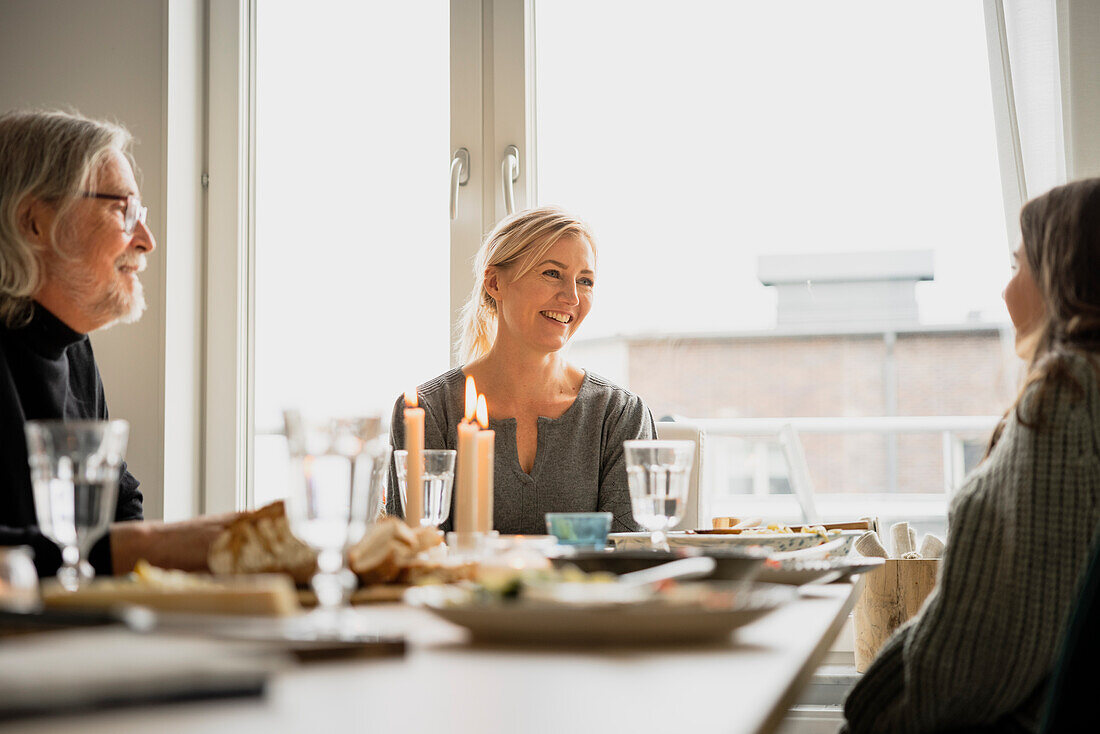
(47, 371)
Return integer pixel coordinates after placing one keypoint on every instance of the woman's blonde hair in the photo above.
(52, 156)
(516, 244)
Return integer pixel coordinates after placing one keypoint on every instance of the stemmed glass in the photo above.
(74, 478)
(659, 474)
(438, 475)
(337, 481)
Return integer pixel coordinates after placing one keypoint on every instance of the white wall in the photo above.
(117, 59)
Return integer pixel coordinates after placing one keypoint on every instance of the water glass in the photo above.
(74, 478)
(438, 474)
(659, 474)
(337, 481)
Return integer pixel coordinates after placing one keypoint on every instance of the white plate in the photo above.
(644, 623)
(775, 542)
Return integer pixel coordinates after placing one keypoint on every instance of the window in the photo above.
(799, 212)
(351, 235)
(799, 216)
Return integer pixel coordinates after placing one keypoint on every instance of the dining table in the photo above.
(447, 682)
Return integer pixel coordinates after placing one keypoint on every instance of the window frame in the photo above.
(491, 59)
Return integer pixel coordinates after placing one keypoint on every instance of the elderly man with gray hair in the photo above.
(72, 242)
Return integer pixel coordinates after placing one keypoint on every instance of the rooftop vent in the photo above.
(848, 287)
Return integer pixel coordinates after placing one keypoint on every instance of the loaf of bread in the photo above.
(261, 542)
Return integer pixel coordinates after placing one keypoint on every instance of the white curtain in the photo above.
(1032, 33)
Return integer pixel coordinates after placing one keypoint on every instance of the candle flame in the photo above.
(410, 398)
(471, 400)
(482, 411)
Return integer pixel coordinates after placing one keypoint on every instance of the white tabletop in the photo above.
(446, 684)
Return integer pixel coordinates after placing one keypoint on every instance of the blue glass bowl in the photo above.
(588, 529)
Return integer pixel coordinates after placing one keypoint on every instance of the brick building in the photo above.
(856, 349)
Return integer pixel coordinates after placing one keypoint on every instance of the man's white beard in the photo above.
(114, 304)
(130, 306)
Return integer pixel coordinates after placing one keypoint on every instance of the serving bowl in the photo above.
(732, 564)
(638, 624)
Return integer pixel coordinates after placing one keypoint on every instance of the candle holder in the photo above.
(437, 475)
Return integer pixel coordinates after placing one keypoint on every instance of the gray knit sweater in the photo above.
(579, 462)
(983, 646)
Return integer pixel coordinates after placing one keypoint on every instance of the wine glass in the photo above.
(74, 478)
(659, 474)
(338, 470)
(438, 475)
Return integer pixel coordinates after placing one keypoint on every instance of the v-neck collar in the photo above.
(508, 426)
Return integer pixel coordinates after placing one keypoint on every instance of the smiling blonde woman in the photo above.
(559, 429)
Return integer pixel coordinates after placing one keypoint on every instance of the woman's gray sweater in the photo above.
(579, 464)
(982, 648)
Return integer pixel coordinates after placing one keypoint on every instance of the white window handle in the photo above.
(460, 175)
(509, 174)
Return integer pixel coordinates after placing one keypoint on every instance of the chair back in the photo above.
(1073, 689)
(677, 431)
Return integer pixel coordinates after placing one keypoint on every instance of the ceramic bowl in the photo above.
(586, 529)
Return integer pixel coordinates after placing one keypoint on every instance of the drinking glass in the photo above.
(74, 478)
(438, 475)
(659, 474)
(337, 481)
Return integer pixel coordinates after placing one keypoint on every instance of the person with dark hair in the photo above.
(979, 654)
(72, 242)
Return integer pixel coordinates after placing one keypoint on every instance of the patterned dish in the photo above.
(774, 542)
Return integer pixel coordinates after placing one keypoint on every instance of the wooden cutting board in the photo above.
(259, 595)
(378, 594)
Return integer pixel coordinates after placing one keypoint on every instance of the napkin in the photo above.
(77, 670)
(905, 540)
(869, 545)
(903, 537)
(931, 547)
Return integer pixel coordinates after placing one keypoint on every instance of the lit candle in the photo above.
(414, 444)
(485, 444)
(466, 479)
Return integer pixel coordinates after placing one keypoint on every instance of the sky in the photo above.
(694, 141)
(692, 136)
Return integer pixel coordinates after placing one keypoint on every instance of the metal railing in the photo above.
(949, 428)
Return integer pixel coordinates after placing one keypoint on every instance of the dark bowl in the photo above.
(733, 564)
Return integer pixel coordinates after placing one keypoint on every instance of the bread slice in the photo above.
(261, 542)
(384, 551)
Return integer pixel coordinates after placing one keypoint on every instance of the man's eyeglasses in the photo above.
(135, 211)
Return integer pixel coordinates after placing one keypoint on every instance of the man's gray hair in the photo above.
(51, 156)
